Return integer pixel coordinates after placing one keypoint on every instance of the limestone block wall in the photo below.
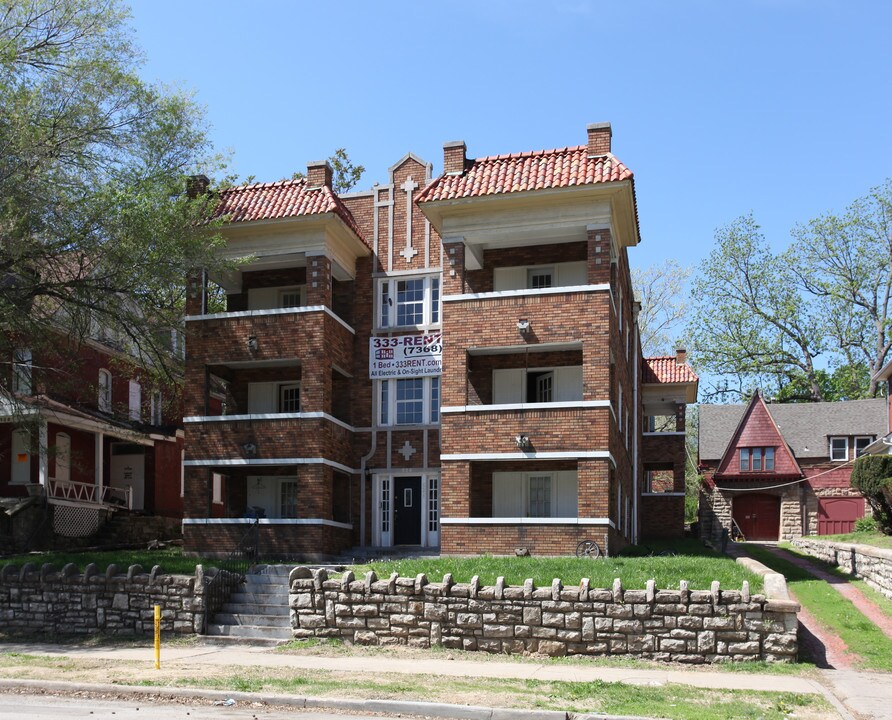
(684, 625)
(871, 564)
(65, 601)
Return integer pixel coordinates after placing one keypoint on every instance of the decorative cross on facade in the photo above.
(409, 186)
(407, 451)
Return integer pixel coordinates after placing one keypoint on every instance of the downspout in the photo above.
(362, 463)
(635, 434)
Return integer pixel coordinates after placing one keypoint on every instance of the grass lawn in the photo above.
(833, 611)
(694, 563)
(171, 560)
(876, 539)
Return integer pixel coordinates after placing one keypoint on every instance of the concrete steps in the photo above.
(259, 611)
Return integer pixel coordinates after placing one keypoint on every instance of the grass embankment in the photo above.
(171, 560)
(833, 611)
(677, 702)
(876, 539)
(694, 563)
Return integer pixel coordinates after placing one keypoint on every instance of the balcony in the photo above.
(268, 335)
(264, 439)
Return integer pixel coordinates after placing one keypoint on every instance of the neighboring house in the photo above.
(83, 428)
(450, 363)
(781, 471)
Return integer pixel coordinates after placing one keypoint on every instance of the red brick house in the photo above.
(781, 471)
(446, 363)
(84, 428)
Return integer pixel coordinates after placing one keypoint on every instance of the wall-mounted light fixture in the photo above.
(523, 326)
(249, 449)
(252, 343)
(523, 442)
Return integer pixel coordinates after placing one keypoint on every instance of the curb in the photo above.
(393, 707)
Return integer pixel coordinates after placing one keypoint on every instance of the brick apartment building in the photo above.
(781, 471)
(445, 363)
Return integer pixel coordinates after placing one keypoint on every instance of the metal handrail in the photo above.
(89, 493)
(231, 572)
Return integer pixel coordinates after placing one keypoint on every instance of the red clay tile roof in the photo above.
(539, 170)
(282, 199)
(664, 369)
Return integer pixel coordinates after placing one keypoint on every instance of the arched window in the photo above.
(105, 391)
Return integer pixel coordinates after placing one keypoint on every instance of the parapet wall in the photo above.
(871, 564)
(684, 625)
(49, 600)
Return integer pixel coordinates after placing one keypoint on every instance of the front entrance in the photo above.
(407, 510)
(127, 470)
(758, 516)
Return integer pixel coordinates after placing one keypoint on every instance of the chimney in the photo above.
(454, 157)
(599, 135)
(197, 185)
(681, 356)
(318, 174)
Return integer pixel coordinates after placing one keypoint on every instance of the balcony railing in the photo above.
(67, 492)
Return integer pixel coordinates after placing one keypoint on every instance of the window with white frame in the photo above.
(134, 402)
(156, 408)
(21, 371)
(410, 401)
(288, 499)
(839, 449)
(289, 398)
(861, 444)
(293, 297)
(540, 277)
(409, 302)
(105, 391)
(539, 496)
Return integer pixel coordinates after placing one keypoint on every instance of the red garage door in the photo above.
(758, 516)
(838, 515)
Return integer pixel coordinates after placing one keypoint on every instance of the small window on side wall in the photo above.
(861, 444)
(105, 391)
(839, 449)
(539, 278)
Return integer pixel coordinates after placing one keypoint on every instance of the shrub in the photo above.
(865, 525)
(872, 476)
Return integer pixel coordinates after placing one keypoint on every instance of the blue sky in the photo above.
(720, 107)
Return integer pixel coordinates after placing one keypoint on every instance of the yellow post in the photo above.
(157, 637)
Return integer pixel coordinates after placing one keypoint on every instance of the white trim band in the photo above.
(526, 521)
(266, 462)
(663, 494)
(268, 416)
(492, 295)
(269, 311)
(267, 521)
(674, 433)
(561, 405)
(564, 455)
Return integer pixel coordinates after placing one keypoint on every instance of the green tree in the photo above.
(97, 232)
(345, 174)
(751, 325)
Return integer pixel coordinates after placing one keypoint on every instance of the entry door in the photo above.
(127, 469)
(758, 516)
(407, 511)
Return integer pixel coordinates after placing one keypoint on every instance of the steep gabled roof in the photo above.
(279, 200)
(804, 426)
(758, 429)
(538, 170)
(665, 369)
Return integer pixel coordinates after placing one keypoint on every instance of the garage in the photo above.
(758, 516)
(838, 515)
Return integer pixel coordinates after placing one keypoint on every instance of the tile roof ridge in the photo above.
(531, 153)
(266, 185)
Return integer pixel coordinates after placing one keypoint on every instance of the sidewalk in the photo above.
(872, 705)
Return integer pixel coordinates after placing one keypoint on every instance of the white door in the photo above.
(21, 457)
(127, 469)
(263, 494)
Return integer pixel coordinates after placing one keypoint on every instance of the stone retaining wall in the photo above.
(66, 601)
(684, 625)
(871, 564)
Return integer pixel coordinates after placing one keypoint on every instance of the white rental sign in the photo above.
(405, 356)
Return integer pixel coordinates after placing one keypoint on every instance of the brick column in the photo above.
(453, 267)
(314, 491)
(318, 280)
(196, 295)
(599, 265)
(197, 493)
(593, 477)
(455, 488)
